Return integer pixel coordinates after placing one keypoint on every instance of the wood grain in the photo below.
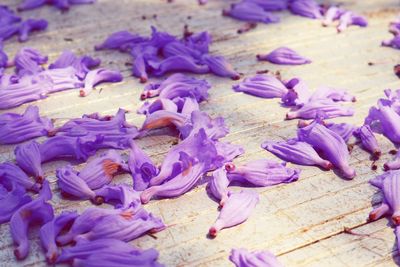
(303, 223)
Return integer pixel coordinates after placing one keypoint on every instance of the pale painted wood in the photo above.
(301, 222)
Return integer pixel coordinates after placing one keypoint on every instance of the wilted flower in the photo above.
(218, 185)
(11, 174)
(394, 42)
(249, 11)
(305, 8)
(325, 92)
(30, 25)
(94, 77)
(368, 140)
(262, 172)
(220, 66)
(72, 185)
(141, 167)
(296, 152)
(332, 146)
(50, 231)
(236, 210)
(214, 128)
(12, 200)
(284, 56)
(122, 196)
(16, 128)
(28, 61)
(327, 107)
(265, 86)
(243, 258)
(298, 93)
(344, 130)
(333, 13)
(28, 158)
(349, 18)
(37, 212)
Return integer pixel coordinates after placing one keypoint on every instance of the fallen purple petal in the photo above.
(284, 56)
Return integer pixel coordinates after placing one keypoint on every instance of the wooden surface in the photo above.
(303, 222)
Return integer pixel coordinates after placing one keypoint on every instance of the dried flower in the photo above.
(284, 56)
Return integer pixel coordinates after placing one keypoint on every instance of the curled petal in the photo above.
(296, 152)
(236, 210)
(284, 56)
(122, 196)
(345, 130)
(228, 151)
(163, 118)
(178, 63)
(29, 26)
(349, 18)
(178, 89)
(11, 173)
(11, 201)
(28, 61)
(298, 94)
(333, 13)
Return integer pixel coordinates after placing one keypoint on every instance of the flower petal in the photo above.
(284, 56)
(243, 258)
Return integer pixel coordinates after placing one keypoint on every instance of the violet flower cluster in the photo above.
(394, 29)
(63, 5)
(295, 94)
(11, 24)
(265, 12)
(32, 82)
(163, 53)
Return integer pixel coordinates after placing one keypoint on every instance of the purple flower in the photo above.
(11, 173)
(122, 40)
(349, 18)
(84, 222)
(29, 26)
(36, 212)
(101, 170)
(386, 120)
(330, 144)
(158, 104)
(333, 13)
(270, 5)
(28, 61)
(394, 164)
(116, 132)
(61, 79)
(305, 8)
(344, 130)
(71, 184)
(177, 64)
(26, 90)
(16, 128)
(28, 158)
(296, 152)
(243, 258)
(163, 118)
(262, 172)
(220, 66)
(12, 200)
(191, 172)
(368, 140)
(50, 231)
(284, 56)
(249, 11)
(218, 185)
(82, 65)
(331, 93)
(265, 86)
(7, 16)
(236, 210)
(298, 93)
(124, 228)
(394, 42)
(154, 89)
(327, 107)
(389, 184)
(199, 90)
(214, 128)
(228, 151)
(79, 148)
(122, 196)
(94, 77)
(63, 5)
(191, 146)
(142, 167)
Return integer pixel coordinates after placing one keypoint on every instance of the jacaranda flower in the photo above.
(284, 56)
